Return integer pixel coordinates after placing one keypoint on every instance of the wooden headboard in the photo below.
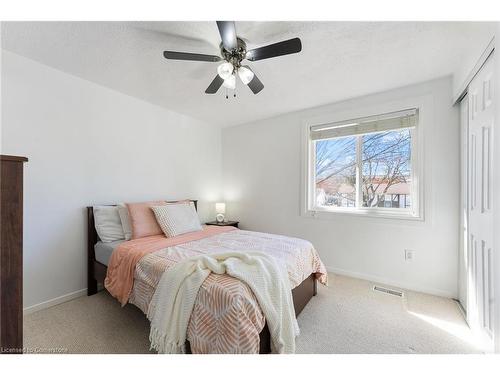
(92, 239)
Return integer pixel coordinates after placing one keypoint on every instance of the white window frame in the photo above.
(308, 206)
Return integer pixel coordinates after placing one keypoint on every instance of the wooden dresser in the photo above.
(11, 254)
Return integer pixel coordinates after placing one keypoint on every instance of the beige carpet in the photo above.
(346, 317)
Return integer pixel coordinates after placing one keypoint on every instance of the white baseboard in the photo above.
(377, 279)
(54, 301)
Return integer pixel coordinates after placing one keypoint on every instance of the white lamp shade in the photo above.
(246, 75)
(225, 70)
(230, 82)
(220, 208)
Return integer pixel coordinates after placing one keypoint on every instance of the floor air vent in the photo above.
(393, 292)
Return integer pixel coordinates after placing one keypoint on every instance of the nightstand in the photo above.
(224, 224)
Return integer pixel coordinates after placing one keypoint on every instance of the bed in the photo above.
(99, 254)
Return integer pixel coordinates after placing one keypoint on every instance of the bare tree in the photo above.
(336, 166)
(385, 162)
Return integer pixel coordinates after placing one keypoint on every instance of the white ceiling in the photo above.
(339, 60)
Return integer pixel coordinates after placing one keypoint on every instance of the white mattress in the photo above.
(103, 250)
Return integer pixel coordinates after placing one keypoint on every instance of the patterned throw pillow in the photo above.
(177, 218)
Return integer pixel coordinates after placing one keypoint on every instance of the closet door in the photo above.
(464, 205)
(480, 247)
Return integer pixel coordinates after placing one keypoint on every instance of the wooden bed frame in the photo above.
(96, 273)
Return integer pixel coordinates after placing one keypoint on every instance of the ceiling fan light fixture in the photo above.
(225, 70)
(230, 82)
(245, 74)
(233, 50)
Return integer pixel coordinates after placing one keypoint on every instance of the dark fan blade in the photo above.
(172, 55)
(277, 49)
(215, 85)
(227, 32)
(255, 84)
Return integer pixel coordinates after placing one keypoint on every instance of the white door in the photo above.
(464, 206)
(480, 227)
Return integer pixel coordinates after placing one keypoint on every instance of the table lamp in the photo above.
(220, 209)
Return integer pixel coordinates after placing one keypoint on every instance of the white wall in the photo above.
(474, 43)
(261, 173)
(88, 145)
(496, 187)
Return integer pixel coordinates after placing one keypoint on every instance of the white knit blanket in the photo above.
(174, 298)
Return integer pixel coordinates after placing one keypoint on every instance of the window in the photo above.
(365, 165)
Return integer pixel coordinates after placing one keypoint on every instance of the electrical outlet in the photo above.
(409, 255)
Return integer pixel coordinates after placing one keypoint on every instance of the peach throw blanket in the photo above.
(120, 277)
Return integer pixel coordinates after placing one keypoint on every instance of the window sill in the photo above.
(324, 213)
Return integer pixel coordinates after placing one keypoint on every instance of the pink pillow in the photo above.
(143, 220)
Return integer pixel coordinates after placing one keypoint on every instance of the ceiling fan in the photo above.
(233, 51)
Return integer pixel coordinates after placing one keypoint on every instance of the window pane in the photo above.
(386, 169)
(336, 172)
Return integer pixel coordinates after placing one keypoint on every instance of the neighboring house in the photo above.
(336, 191)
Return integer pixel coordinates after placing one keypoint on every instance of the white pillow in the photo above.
(177, 218)
(108, 224)
(125, 219)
